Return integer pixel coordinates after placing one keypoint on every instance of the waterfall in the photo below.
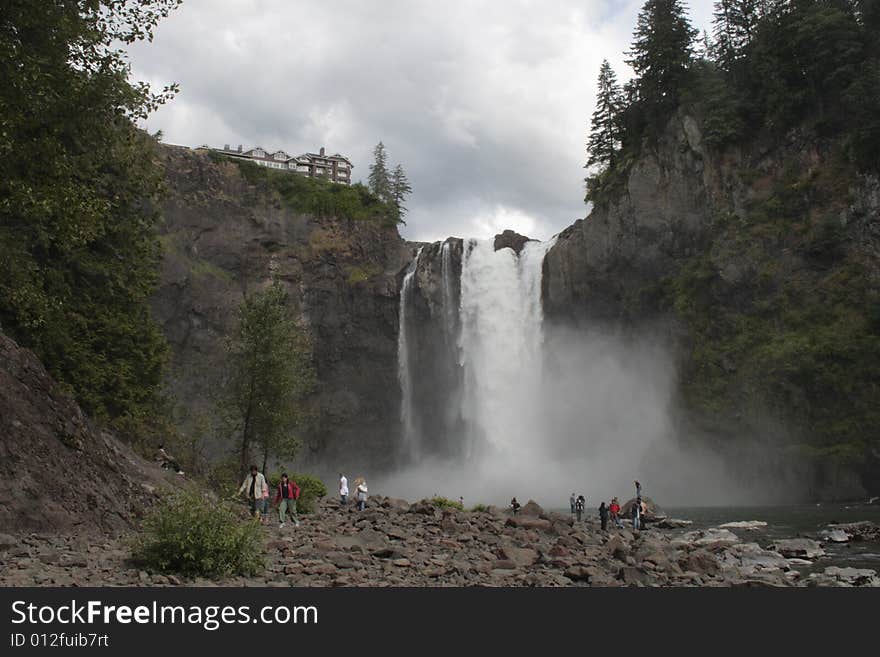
(500, 344)
(450, 309)
(404, 376)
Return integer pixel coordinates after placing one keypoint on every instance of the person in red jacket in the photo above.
(287, 495)
(614, 511)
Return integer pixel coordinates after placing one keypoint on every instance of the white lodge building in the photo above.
(336, 167)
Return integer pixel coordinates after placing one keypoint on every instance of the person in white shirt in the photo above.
(343, 488)
(362, 495)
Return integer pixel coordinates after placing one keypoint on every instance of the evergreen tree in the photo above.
(379, 180)
(270, 374)
(661, 52)
(735, 23)
(605, 126)
(78, 188)
(400, 189)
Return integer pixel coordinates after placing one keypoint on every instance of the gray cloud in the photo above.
(485, 103)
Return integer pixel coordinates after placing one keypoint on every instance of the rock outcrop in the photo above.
(224, 237)
(756, 266)
(59, 473)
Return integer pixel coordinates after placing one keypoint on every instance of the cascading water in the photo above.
(450, 310)
(496, 402)
(407, 413)
(500, 345)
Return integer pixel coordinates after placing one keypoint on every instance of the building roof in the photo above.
(305, 158)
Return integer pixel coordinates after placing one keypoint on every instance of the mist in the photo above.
(599, 416)
(546, 409)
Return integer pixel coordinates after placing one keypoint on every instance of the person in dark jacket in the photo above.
(603, 516)
(514, 505)
(636, 513)
(579, 505)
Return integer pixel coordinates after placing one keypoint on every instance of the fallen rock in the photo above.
(834, 575)
(519, 556)
(701, 562)
(530, 523)
(743, 524)
(803, 548)
(836, 536)
(531, 508)
(673, 523)
(706, 537)
(617, 547)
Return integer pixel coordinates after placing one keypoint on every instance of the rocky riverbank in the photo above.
(395, 543)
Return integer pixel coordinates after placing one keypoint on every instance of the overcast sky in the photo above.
(486, 103)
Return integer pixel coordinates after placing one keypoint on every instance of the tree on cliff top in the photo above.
(605, 126)
(661, 52)
(78, 251)
(270, 374)
(400, 189)
(379, 180)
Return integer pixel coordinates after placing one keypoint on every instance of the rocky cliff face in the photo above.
(223, 238)
(59, 472)
(760, 266)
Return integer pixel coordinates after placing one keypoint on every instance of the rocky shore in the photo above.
(395, 543)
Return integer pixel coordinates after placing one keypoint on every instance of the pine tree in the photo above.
(605, 126)
(378, 180)
(661, 52)
(79, 185)
(400, 189)
(270, 373)
(735, 22)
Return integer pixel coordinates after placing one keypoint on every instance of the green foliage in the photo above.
(225, 476)
(795, 339)
(660, 55)
(319, 197)
(311, 490)
(198, 537)
(480, 508)
(78, 252)
(379, 180)
(445, 503)
(605, 125)
(361, 274)
(269, 375)
(399, 189)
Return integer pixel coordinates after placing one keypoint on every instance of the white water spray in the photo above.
(450, 309)
(500, 345)
(404, 376)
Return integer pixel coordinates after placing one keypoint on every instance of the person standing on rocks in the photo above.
(287, 495)
(573, 502)
(579, 505)
(255, 488)
(603, 516)
(362, 495)
(514, 505)
(636, 513)
(343, 488)
(614, 510)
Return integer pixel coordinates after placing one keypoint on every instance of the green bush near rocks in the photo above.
(311, 490)
(193, 536)
(446, 503)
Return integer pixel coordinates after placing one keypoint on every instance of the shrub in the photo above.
(311, 489)
(191, 535)
(445, 502)
(480, 508)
